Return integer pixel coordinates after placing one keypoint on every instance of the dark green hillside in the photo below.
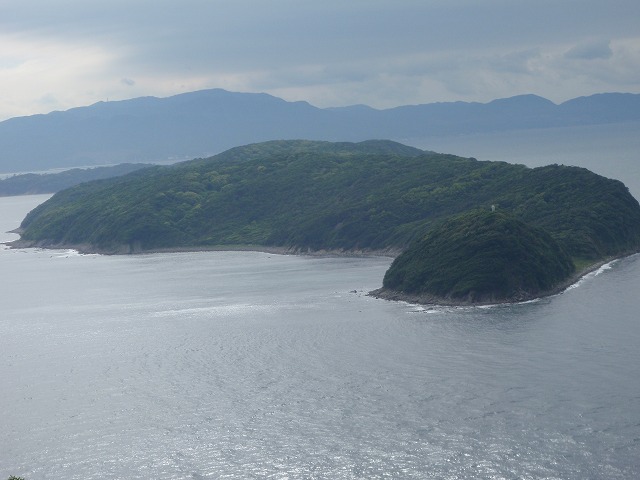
(480, 256)
(331, 196)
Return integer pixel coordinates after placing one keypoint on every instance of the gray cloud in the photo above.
(362, 51)
(590, 51)
(242, 33)
(519, 62)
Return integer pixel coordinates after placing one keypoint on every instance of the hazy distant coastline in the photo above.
(207, 122)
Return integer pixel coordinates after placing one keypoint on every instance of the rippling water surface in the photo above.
(251, 365)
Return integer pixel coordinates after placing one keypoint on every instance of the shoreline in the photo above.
(427, 299)
(380, 293)
(129, 250)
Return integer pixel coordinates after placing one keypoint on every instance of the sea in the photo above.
(249, 365)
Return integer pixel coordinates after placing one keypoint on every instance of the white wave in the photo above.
(65, 253)
(595, 273)
(217, 310)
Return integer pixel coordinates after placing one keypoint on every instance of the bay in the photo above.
(253, 365)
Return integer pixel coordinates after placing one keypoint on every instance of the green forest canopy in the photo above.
(480, 256)
(306, 195)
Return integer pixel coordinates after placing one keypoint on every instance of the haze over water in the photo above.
(250, 365)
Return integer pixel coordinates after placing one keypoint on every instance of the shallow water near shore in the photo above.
(254, 365)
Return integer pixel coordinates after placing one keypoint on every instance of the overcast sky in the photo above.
(55, 55)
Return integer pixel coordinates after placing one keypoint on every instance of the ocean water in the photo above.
(251, 365)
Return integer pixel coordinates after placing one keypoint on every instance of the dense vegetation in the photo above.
(34, 183)
(305, 195)
(480, 256)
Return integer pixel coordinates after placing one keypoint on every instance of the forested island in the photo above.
(470, 231)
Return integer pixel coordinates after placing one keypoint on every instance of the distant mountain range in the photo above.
(203, 123)
(38, 183)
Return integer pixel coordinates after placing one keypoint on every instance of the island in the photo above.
(463, 230)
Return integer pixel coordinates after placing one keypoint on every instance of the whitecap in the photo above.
(594, 273)
(216, 310)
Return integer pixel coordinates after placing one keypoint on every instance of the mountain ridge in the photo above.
(206, 122)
